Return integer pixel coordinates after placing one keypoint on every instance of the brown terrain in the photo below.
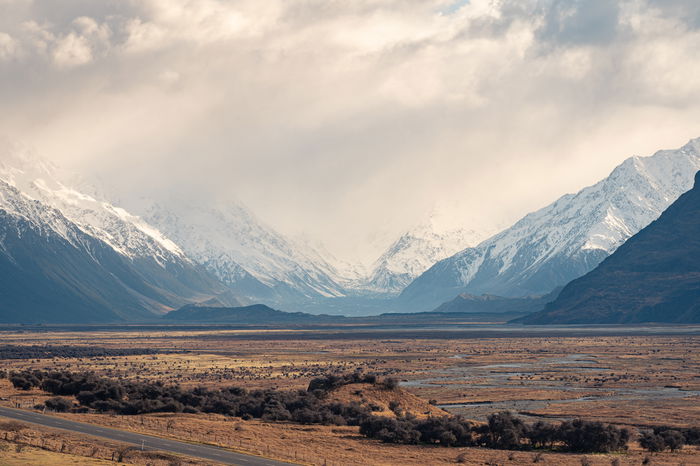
(635, 381)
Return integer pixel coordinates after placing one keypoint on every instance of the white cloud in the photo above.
(8, 47)
(72, 50)
(79, 46)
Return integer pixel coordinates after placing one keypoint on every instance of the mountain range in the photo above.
(259, 263)
(68, 254)
(171, 254)
(242, 252)
(653, 277)
(564, 240)
(253, 314)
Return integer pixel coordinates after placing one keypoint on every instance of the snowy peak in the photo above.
(125, 233)
(43, 218)
(345, 273)
(568, 238)
(416, 251)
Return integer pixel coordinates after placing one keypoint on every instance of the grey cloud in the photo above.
(580, 22)
(687, 11)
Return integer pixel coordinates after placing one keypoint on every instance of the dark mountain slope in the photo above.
(653, 277)
(255, 314)
(466, 303)
(46, 278)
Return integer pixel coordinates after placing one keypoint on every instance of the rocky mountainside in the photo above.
(236, 247)
(554, 245)
(65, 253)
(653, 277)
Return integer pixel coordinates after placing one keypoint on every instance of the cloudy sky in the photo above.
(351, 119)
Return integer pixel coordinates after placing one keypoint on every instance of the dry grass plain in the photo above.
(627, 380)
(28, 444)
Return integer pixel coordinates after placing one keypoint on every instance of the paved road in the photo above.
(149, 442)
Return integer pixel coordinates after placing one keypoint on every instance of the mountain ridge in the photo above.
(125, 263)
(653, 277)
(566, 239)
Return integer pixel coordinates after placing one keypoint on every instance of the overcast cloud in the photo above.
(347, 119)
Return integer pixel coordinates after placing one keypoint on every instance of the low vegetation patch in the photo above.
(67, 351)
(128, 398)
(315, 406)
(669, 438)
(503, 431)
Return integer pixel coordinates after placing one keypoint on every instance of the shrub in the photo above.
(542, 435)
(390, 383)
(592, 437)
(390, 430)
(446, 431)
(334, 381)
(653, 442)
(20, 383)
(58, 404)
(673, 439)
(504, 431)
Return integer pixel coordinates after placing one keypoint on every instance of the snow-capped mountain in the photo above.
(414, 253)
(552, 246)
(120, 249)
(260, 263)
(52, 270)
(243, 252)
(126, 233)
(653, 277)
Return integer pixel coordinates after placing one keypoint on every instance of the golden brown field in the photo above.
(627, 380)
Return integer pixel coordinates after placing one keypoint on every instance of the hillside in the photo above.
(378, 400)
(653, 277)
(467, 303)
(51, 271)
(254, 314)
